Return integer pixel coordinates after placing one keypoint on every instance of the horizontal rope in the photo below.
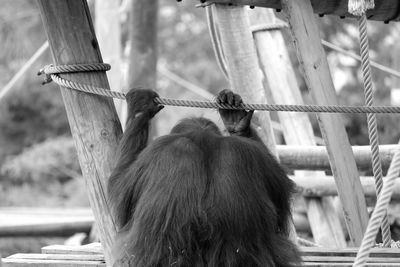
(50, 70)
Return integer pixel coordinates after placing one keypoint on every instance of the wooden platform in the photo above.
(385, 10)
(92, 255)
(61, 256)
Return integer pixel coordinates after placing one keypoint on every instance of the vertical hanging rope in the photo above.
(380, 210)
(371, 119)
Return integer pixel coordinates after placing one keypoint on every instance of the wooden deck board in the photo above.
(92, 255)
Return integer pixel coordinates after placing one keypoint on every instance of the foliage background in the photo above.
(38, 165)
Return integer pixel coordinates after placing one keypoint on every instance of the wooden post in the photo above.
(93, 119)
(313, 60)
(108, 32)
(143, 38)
(297, 130)
(142, 69)
(242, 63)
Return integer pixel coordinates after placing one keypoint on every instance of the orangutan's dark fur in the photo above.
(197, 198)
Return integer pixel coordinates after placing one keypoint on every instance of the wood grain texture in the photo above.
(280, 80)
(93, 119)
(326, 186)
(312, 58)
(385, 10)
(89, 249)
(316, 157)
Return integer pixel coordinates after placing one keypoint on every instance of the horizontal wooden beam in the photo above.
(316, 157)
(326, 186)
(48, 229)
(385, 10)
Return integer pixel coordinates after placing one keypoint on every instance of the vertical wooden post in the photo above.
(108, 32)
(143, 38)
(313, 60)
(142, 69)
(297, 130)
(93, 119)
(242, 62)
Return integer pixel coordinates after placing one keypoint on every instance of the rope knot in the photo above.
(360, 7)
(47, 79)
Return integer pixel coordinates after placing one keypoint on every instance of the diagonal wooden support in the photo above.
(307, 42)
(281, 81)
(93, 119)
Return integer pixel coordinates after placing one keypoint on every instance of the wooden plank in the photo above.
(326, 186)
(50, 263)
(66, 228)
(348, 259)
(310, 52)
(331, 264)
(93, 248)
(74, 257)
(281, 81)
(93, 119)
(316, 157)
(385, 10)
(375, 252)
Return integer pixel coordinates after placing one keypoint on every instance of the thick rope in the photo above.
(360, 7)
(371, 120)
(207, 104)
(380, 210)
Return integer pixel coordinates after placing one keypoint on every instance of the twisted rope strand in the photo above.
(380, 210)
(50, 69)
(371, 120)
(206, 104)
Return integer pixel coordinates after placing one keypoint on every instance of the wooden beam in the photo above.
(280, 80)
(385, 10)
(310, 52)
(325, 186)
(316, 157)
(93, 119)
(67, 228)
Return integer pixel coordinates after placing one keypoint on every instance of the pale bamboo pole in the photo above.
(280, 79)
